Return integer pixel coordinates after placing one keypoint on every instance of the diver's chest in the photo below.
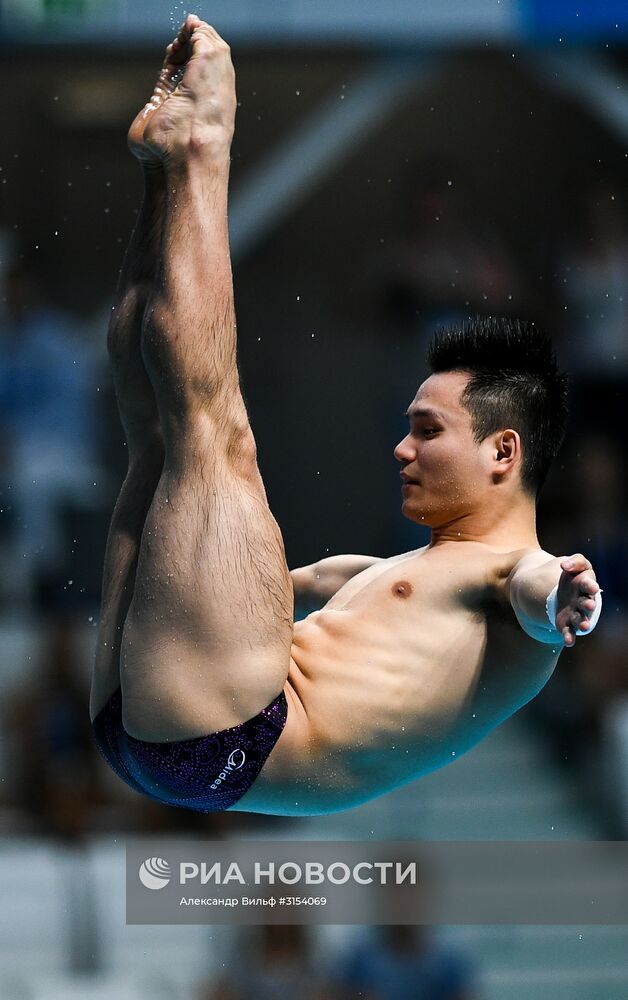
(403, 590)
(398, 615)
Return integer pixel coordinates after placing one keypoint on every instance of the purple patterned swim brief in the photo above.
(208, 774)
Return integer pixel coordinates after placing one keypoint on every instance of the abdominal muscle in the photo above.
(393, 677)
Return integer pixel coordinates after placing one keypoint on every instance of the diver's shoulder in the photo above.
(489, 563)
(500, 567)
(471, 557)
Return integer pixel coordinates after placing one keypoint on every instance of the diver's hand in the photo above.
(576, 597)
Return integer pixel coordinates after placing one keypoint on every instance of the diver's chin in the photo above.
(416, 514)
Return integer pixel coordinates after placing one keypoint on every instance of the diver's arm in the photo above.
(315, 584)
(533, 580)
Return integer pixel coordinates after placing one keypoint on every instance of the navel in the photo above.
(402, 588)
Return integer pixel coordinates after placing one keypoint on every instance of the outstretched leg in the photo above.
(136, 400)
(145, 450)
(207, 637)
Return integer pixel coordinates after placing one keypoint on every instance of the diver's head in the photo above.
(491, 417)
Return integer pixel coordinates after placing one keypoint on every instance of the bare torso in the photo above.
(408, 665)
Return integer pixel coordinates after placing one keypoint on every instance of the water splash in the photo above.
(178, 14)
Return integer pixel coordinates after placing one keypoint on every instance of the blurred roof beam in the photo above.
(593, 80)
(287, 174)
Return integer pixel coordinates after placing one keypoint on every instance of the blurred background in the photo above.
(395, 166)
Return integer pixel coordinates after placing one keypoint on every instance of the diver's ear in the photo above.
(506, 452)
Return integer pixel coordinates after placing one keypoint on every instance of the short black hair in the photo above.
(514, 383)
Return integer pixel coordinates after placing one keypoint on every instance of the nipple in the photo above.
(402, 588)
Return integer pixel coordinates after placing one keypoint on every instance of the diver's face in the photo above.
(448, 471)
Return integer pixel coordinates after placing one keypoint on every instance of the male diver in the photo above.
(205, 693)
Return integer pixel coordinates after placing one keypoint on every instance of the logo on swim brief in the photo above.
(235, 761)
(155, 873)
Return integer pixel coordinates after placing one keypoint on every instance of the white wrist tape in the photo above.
(550, 607)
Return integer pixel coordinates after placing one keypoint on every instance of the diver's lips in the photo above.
(408, 483)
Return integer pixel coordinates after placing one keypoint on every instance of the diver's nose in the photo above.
(405, 451)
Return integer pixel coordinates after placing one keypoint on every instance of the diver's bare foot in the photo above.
(171, 71)
(193, 107)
